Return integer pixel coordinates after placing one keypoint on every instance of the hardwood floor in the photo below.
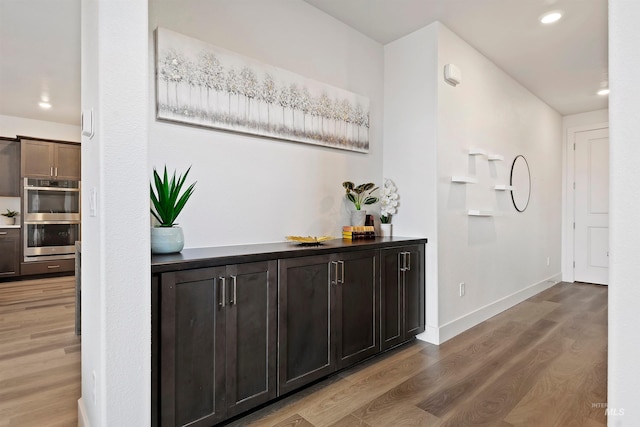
(541, 363)
(39, 353)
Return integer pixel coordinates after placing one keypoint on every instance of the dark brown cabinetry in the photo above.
(402, 272)
(235, 327)
(328, 315)
(46, 267)
(217, 342)
(9, 252)
(9, 167)
(47, 159)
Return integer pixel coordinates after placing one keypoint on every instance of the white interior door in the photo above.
(591, 195)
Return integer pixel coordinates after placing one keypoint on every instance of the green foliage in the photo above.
(167, 201)
(10, 214)
(360, 195)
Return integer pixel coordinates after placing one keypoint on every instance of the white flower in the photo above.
(388, 199)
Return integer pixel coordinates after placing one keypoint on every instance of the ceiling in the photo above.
(562, 63)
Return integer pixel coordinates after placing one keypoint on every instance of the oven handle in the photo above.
(70, 190)
(48, 222)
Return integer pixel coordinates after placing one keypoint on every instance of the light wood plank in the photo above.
(39, 353)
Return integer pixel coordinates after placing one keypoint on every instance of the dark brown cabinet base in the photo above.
(217, 342)
(233, 328)
(9, 252)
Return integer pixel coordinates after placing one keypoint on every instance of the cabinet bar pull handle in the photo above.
(53, 266)
(51, 171)
(402, 261)
(341, 263)
(408, 255)
(234, 298)
(56, 171)
(2, 233)
(335, 273)
(223, 297)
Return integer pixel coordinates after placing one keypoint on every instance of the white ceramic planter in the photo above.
(358, 217)
(386, 230)
(166, 240)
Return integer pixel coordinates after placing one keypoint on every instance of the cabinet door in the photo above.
(9, 252)
(37, 158)
(414, 282)
(391, 298)
(67, 161)
(251, 335)
(357, 306)
(9, 168)
(402, 273)
(304, 323)
(192, 345)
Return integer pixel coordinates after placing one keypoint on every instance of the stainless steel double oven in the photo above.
(51, 214)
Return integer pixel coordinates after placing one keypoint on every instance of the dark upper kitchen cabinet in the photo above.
(9, 167)
(218, 342)
(48, 159)
(403, 316)
(9, 252)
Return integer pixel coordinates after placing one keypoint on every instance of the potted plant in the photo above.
(167, 203)
(389, 206)
(360, 196)
(11, 216)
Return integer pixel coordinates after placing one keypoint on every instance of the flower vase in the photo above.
(386, 230)
(358, 217)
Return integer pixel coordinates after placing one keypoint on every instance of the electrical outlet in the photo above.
(462, 289)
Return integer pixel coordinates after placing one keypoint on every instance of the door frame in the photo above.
(568, 234)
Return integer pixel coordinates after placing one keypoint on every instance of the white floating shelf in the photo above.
(503, 187)
(474, 212)
(495, 157)
(477, 152)
(464, 179)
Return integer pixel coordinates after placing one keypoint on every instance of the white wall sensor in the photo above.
(452, 74)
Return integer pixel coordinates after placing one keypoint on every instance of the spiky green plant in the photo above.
(360, 195)
(10, 214)
(167, 201)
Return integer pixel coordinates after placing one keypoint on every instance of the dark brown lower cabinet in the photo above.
(403, 301)
(9, 252)
(329, 311)
(229, 336)
(357, 309)
(217, 342)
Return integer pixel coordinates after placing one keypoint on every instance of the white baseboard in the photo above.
(461, 324)
(83, 420)
(430, 335)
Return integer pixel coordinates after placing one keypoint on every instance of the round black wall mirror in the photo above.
(520, 183)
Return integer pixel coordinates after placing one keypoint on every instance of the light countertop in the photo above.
(9, 226)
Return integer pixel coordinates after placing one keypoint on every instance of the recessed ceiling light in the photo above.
(44, 105)
(551, 17)
(603, 92)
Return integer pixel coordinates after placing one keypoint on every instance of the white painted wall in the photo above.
(570, 125)
(10, 126)
(253, 189)
(410, 156)
(116, 297)
(624, 292)
(501, 259)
